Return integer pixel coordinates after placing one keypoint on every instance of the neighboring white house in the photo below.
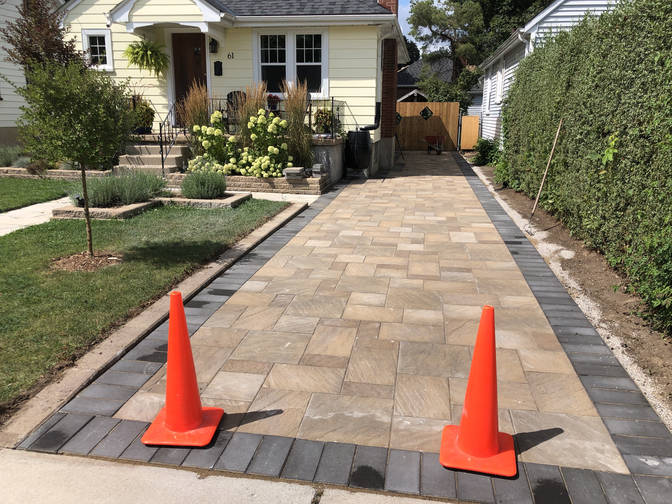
(499, 68)
(9, 100)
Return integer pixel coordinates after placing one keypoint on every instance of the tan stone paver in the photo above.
(361, 330)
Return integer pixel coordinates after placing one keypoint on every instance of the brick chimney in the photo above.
(392, 5)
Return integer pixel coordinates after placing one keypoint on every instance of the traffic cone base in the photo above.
(502, 463)
(159, 434)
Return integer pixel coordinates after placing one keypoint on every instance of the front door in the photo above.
(188, 62)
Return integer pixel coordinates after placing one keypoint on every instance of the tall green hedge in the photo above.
(610, 80)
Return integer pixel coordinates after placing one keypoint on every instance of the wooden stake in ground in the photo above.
(548, 165)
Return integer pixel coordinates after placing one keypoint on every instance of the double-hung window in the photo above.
(499, 90)
(273, 61)
(97, 44)
(294, 57)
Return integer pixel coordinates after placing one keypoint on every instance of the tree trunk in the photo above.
(87, 217)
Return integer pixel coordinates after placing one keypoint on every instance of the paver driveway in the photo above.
(361, 329)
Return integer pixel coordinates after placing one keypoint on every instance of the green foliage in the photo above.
(325, 121)
(438, 90)
(9, 154)
(413, 50)
(147, 55)
(36, 36)
(132, 187)
(204, 185)
(144, 114)
(266, 156)
(611, 177)
(77, 114)
(487, 152)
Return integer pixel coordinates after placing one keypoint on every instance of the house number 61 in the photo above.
(230, 56)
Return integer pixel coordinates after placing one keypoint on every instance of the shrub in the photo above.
(611, 177)
(144, 115)
(204, 185)
(248, 103)
(132, 187)
(487, 152)
(266, 155)
(9, 154)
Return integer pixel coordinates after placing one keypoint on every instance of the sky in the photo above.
(404, 11)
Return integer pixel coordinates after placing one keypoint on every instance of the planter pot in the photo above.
(329, 153)
(145, 130)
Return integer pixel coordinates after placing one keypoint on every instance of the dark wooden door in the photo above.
(188, 62)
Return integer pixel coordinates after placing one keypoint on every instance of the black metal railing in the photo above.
(169, 130)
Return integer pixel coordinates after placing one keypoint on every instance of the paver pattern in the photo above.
(360, 330)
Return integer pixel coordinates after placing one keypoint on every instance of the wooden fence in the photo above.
(414, 128)
(470, 125)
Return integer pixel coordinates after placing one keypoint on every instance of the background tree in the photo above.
(413, 51)
(36, 37)
(77, 114)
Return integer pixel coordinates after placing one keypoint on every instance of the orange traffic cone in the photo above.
(182, 422)
(477, 445)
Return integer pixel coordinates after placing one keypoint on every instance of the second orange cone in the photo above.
(183, 421)
(476, 444)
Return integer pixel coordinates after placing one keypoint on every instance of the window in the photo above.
(292, 56)
(309, 61)
(273, 61)
(499, 90)
(98, 46)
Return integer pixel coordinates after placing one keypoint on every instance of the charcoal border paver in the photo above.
(403, 472)
(270, 456)
(118, 439)
(335, 463)
(239, 452)
(89, 435)
(302, 460)
(583, 486)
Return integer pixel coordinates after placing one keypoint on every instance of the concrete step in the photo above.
(154, 139)
(142, 149)
(155, 169)
(151, 159)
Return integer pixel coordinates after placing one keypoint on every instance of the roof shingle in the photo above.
(299, 7)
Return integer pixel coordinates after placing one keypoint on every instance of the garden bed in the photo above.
(126, 211)
(269, 185)
(229, 201)
(52, 174)
(120, 212)
(50, 317)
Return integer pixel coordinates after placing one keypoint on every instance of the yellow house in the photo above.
(345, 49)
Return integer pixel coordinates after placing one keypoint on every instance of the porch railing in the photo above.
(169, 130)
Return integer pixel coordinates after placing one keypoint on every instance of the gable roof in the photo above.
(410, 75)
(298, 7)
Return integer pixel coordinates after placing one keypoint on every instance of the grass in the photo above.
(50, 317)
(20, 192)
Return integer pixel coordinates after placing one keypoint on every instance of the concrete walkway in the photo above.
(29, 216)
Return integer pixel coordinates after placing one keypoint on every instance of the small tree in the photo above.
(37, 37)
(77, 114)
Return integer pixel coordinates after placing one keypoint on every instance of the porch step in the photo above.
(155, 149)
(151, 159)
(154, 169)
(153, 138)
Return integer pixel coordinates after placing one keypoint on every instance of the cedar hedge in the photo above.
(610, 80)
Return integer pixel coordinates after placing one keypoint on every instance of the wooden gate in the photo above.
(414, 128)
(469, 135)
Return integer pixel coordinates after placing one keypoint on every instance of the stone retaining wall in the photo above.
(270, 185)
(11, 171)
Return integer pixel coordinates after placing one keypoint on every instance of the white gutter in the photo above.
(256, 21)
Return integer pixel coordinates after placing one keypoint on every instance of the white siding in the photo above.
(566, 15)
(10, 103)
(475, 108)
(491, 122)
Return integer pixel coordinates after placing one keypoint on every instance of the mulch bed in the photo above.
(84, 262)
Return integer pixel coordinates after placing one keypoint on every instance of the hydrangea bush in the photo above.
(266, 156)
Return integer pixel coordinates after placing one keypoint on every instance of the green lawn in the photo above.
(19, 192)
(48, 317)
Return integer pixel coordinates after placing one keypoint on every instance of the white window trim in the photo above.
(86, 32)
(290, 63)
(499, 90)
(486, 90)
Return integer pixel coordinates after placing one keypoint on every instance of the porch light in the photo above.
(214, 46)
